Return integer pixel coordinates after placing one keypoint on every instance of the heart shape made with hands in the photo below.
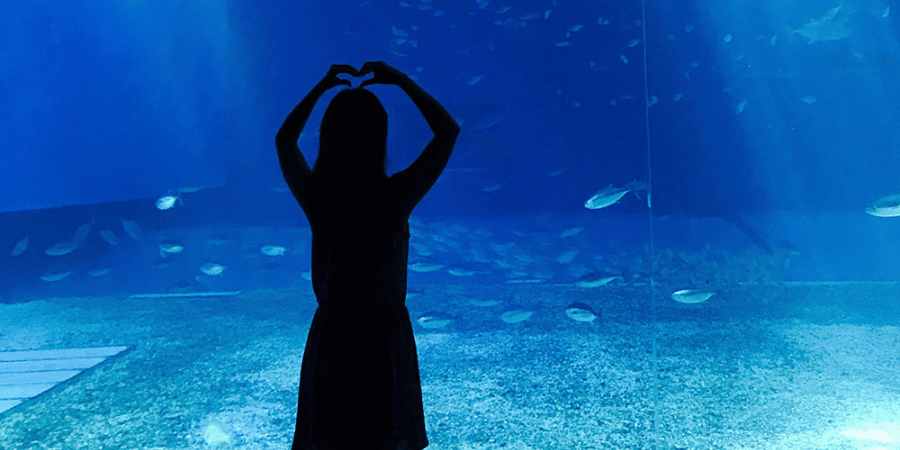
(356, 78)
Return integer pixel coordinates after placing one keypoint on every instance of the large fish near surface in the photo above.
(611, 195)
(825, 28)
(712, 205)
(745, 227)
(713, 208)
(885, 207)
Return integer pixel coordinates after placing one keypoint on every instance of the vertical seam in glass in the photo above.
(653, 366)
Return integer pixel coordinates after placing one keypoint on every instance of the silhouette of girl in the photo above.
(359, 380)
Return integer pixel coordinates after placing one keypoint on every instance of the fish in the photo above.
(168, 248)
(99, 272)
(109, 237)
(82, 232)
(633, 43)
(216, 437)
(483, 303)
(272, 250)
(581, 312)
(191, 189)
(168, 202)
(55, 276)
(594, 279)
(690, 296)
(425, 267)
(605, 197)
(66, 247)
(567, 257)
(571, 231)
(825, 28)
(516, 315)
(61, 248)
(132, 229)
(888, 206)
(212, 269)
(20, 246)
(462, 272)
(557, 172)
(610, 195)
(713, 203)
(435, 319)
(421, 250)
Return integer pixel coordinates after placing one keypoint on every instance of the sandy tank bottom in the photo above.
(758, 367)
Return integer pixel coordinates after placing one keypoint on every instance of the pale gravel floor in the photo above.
(755, 368)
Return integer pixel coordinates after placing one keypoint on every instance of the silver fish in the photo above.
(594, 279)
(581, 312)
(168, 202)
(168, 248)
(212, 269)
(272, 250)
(516, 315)
(435, 319)
(885, 207)
(691, 296)
(610, 195)
(424, 267)
(61, 248)
(824, 29)
(55, 276)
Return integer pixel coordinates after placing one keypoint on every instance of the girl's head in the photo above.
(352, 138)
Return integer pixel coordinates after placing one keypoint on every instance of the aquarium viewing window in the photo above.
(663, 225)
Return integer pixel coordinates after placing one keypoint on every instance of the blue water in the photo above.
(771, 119)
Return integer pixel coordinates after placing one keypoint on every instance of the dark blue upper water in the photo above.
(731, 112)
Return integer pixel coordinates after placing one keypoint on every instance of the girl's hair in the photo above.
(352, 139)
